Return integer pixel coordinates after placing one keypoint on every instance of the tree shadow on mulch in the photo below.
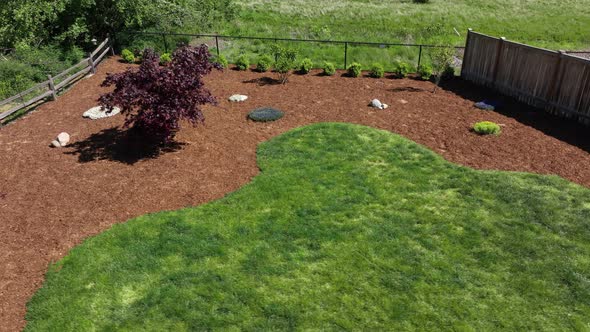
(122, 145)
(262, 81)
(563, 129)
(407, 89)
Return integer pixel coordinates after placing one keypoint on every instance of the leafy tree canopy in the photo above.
(35, 22)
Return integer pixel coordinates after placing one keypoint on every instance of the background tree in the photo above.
(74, 21)
(155, 99)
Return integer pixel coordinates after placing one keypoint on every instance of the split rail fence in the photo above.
(554, 81)
(54, 84)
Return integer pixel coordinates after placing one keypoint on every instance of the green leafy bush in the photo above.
(128, 56)
(243, 63)
(355, 69)
(329, 69)
(12, 81)
(221, 60)
(425, 72)
(305, 66)
(165, 59)
(487, 128)
(265, 114)
(377, 70)
(286, 58)
(264, 63)
(401, 69)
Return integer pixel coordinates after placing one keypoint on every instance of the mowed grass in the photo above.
(553, 24)
(346, 228)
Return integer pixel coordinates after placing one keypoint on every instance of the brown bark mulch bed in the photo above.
(52, 199)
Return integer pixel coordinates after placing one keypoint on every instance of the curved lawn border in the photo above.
(346, 227)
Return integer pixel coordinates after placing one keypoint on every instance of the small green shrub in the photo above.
(285, 61)
(221, 60)
(329, 69)
(165, 59)
(425, 72)
(243, 63)
(265, 114)
(264, 63)
(377, 70)
(355, 69)
(128, 56)
(401, 69)
(487, 128)
(305, 66)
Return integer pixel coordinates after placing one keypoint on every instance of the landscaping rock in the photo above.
(55, 144)
(377, 104)
(98, 113)
(486, 105)
(63, 139)
(238, 98)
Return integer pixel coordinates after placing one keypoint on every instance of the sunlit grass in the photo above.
(346, 228)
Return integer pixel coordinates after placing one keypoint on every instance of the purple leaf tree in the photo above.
(155, 99)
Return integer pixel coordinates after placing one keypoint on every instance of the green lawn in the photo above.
(555, 24)
(346, 228)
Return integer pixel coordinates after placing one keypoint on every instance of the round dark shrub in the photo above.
(165, 59)
(128, 56)
(221, 60)
(425, 72)
(355, 69)
(243, 63)
(377, 70)
(264, 64)
(329, 69)
(487, 128)
(305, 66)
(265, 114)
(401, 69)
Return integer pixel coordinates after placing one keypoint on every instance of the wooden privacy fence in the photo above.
(554, 81)
(54, 84)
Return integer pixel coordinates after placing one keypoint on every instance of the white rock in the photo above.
(238, 98)
(55, 144)
(63, 139)
(98, 113)
(377, 104)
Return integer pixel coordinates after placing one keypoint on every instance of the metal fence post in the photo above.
(165, 43)
(345, 54)
(52, 87)
(217, 44)
(419, 57)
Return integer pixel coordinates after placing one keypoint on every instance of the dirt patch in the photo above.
(52, 199)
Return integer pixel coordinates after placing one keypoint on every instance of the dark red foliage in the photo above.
(154, 99)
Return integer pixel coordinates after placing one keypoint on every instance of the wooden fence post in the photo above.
(91, 63)
(52, 87)
(497, 64)
(555, 86)
(469, 31)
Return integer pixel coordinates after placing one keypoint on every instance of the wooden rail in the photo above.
(54, 84)
(554, 81)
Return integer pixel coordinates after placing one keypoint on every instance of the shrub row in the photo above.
(266, 62)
